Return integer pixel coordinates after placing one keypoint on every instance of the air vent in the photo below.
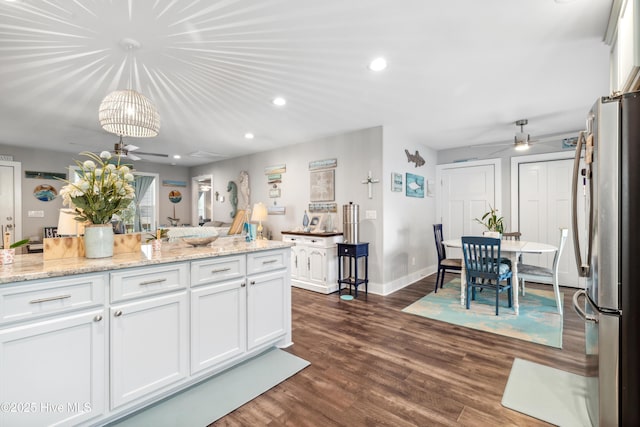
(204, 154)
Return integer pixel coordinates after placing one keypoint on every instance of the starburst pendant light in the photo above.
(127, 112)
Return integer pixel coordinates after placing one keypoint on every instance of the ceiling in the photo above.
(460, 72)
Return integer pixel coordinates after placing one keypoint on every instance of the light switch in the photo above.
(370, 215)
(35, 214)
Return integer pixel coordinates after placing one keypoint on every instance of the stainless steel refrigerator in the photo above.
(610, 304)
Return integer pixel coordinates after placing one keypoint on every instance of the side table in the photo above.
(353, 251)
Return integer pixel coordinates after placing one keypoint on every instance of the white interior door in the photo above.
(10, 194)
(466, 191)
(544, 199)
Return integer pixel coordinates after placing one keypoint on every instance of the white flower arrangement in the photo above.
(102, 190)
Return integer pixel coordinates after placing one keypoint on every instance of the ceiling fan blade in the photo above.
(129, 147)
(132, 156)
(152, 154)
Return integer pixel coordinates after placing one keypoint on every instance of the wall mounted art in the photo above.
(323, 186)
(323, 164)
(45, 193)
(274, 193)
(323, 207)
(173, 183)
(276, 210)
(414, 158)
(274, 178)
(269, 170)
(175, 196)
(396, 181)
(44, 175)
(414, 186)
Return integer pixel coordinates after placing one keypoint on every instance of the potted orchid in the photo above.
(102, 190)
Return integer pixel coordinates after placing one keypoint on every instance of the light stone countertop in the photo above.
(33, 266)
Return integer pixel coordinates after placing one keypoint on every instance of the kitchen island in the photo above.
(87, 341)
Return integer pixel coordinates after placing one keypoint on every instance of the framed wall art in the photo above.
(414, 186)
(396, 181)
(323, 186)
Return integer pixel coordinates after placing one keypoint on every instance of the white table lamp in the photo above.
(258, 215)
(67, 225)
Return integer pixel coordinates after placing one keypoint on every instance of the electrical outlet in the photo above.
(413, 260)
(35, 214)
(370, 215)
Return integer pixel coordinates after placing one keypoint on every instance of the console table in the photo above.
(353, 251)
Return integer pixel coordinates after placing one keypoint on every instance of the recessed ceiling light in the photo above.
(279, 101)
(176, 156)
(248, 135)
(378, 64)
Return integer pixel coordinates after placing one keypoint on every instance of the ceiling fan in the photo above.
(122, 150)
(522, 140)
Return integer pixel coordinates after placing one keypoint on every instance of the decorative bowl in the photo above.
(199, 241)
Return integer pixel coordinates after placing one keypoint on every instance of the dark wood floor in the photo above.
(373, 365)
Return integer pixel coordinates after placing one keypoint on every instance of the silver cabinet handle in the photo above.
(37, 301)
(253, 282)
(296, 258)
(117, 313)
(151, 282)
(243, 284)
(97, 318)
(220, 270)
(271, 261)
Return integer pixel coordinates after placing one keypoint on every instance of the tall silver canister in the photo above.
(350, 222)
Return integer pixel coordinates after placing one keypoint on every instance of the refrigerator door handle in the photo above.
(583, 269)
(578, 309)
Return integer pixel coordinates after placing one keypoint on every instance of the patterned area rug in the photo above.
(538, 322)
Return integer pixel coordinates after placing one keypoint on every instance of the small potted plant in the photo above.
(7, 255)
(492, 222)
(156, 239)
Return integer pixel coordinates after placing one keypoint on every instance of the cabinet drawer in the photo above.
(50, 296)
(146, 281)
(313, 241)
(259, 262)
(354, 250)
(218, 269)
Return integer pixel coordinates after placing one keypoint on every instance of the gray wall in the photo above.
(55, 161)
(356, 152)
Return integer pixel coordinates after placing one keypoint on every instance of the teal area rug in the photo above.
(549, 394)
(214, 398)
(538, 321)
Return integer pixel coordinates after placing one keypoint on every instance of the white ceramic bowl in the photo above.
(199, 241)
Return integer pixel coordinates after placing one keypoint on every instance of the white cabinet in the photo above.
(625, 52)
(87, 349)
(52, 364)
(242, 308)
(218, 311)
(314, 260)
(266, 307)
(149, 337)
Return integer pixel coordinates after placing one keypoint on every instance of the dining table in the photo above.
(511, 249)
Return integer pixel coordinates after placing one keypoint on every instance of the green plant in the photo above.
(491, 220)
(161, 233)
(102, 190)
(18, 244)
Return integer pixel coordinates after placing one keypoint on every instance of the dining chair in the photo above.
(511, 235)
(483, 268)
(444, 264)
(540, 274)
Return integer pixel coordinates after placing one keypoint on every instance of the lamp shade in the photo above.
(67, 225)
(129, 113)
(259, 212)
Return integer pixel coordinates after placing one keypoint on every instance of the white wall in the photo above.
(55, 161)
(409, 248)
